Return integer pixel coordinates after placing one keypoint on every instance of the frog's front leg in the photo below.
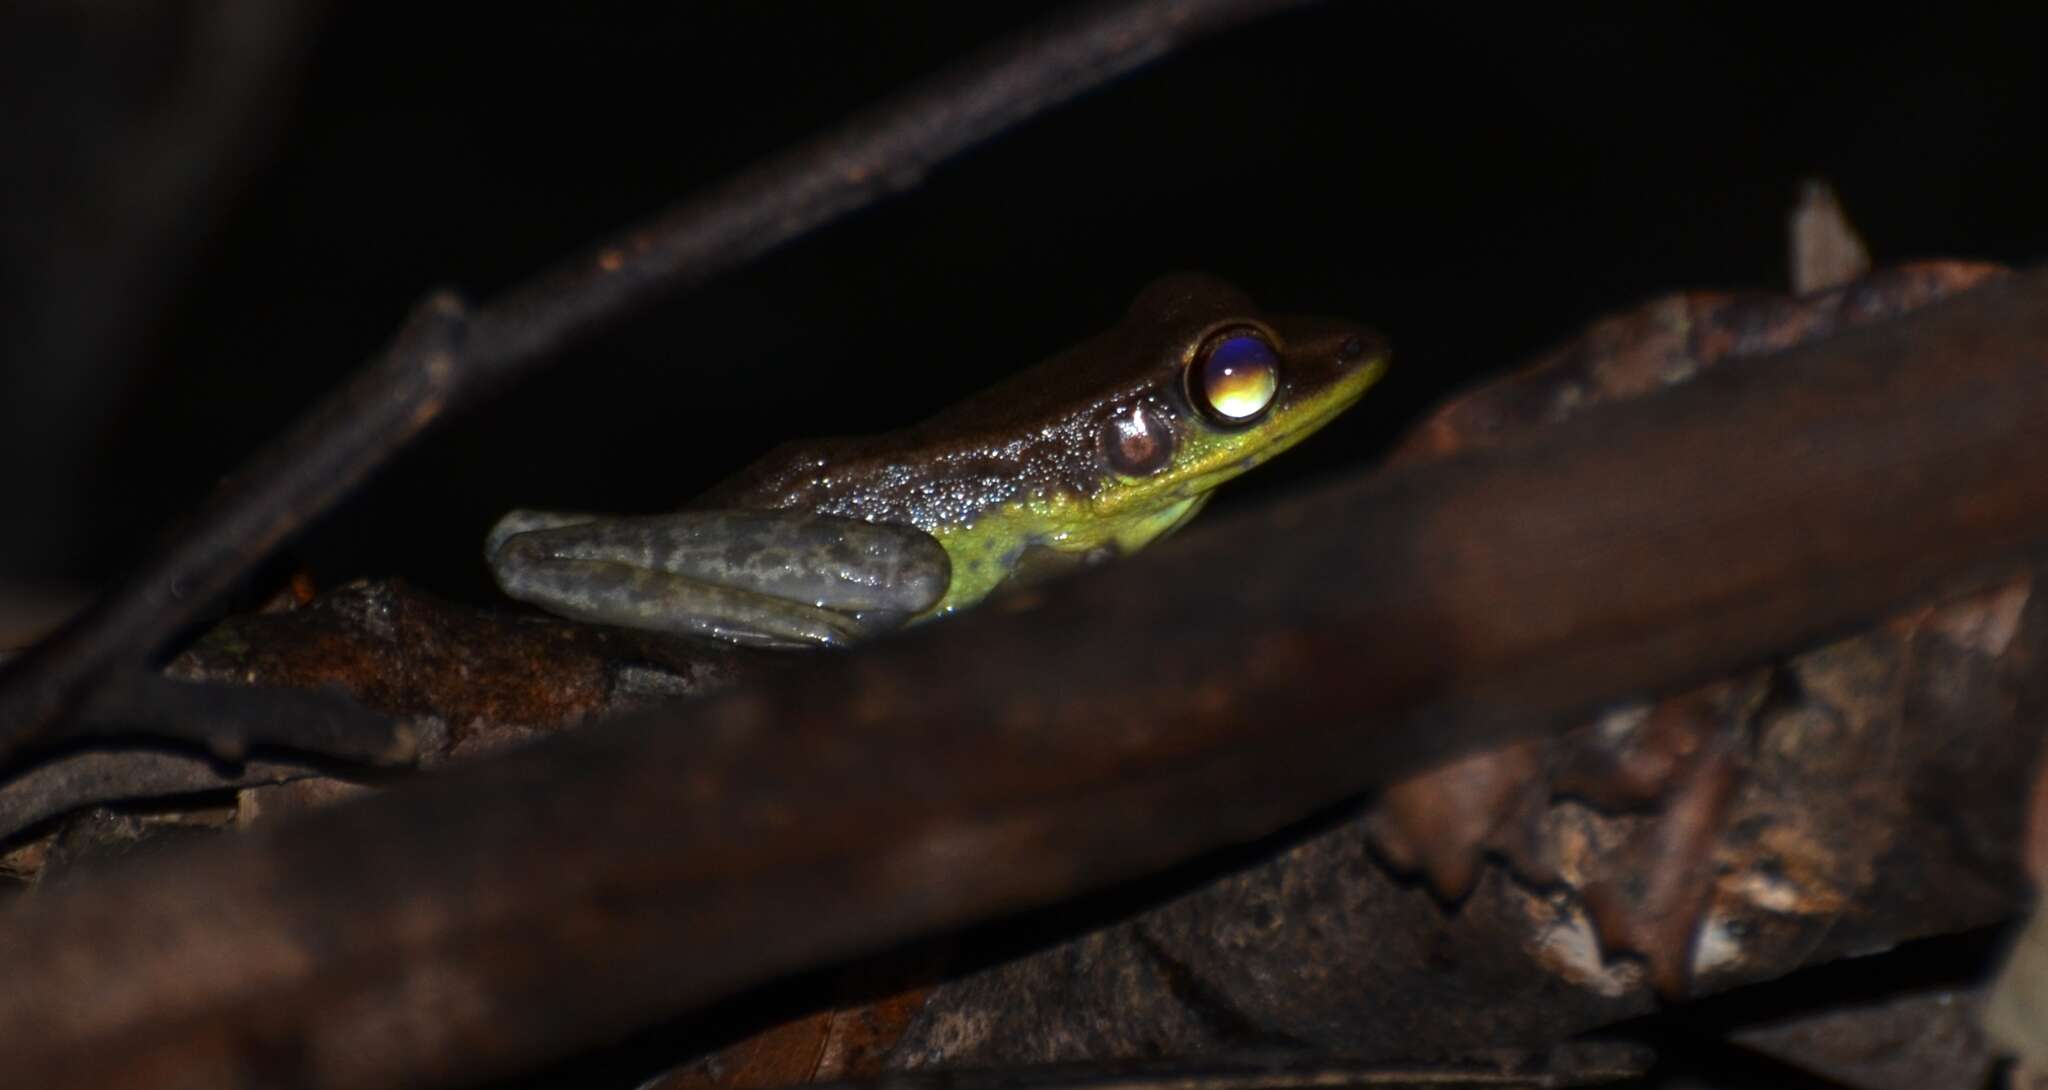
(775, 578)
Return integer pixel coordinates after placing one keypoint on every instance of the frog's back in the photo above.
(1036, 433)
(909, 477)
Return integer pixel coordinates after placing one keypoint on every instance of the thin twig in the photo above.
(94, 776)
(249, 515)
(441, 360)
(226, 719)
(1238, 679)
(126, 722)
(1579, 1064)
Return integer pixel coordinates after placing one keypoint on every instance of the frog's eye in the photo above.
(1137, 440)
(1234, 377)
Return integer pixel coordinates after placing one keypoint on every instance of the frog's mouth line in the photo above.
(1313, 416)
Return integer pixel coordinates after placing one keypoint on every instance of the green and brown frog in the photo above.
(1093, 453)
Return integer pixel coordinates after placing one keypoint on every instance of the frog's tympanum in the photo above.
(1091, 454)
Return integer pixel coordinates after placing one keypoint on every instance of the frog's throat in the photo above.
(984, 551)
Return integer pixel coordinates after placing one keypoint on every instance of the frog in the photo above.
(1092, 454)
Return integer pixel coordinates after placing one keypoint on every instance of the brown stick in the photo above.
(116, 775)
(446, 359)
(226, 720)
(1237, 680)
(190, 736)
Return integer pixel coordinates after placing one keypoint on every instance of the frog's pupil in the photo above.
(1237, 377)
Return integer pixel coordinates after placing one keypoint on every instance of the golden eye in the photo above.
(1235, 376)
(1137, 441)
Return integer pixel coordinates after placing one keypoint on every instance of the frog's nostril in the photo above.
(1352, 348)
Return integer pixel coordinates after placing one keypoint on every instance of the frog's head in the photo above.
(1116, 441)
(1216, 388)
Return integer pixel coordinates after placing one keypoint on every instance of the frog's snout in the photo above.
(1360, 348)
(519, 522)
(505, 529)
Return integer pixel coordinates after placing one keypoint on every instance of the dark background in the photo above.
(220, 209)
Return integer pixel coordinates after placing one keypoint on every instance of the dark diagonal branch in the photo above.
(311, 467)
(445, 359)
(1235, 680)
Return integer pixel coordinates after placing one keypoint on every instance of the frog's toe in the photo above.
(519, 522)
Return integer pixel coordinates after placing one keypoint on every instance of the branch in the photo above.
(367, 674)
(222, 720)
(1578, 1064)
(226, 719)
(445, 359)
(1238, 680)
(108, 775)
